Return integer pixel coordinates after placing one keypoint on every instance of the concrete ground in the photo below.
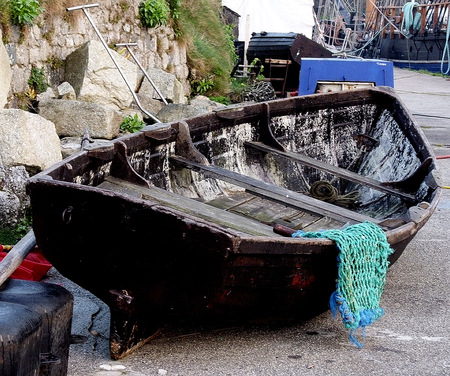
(412, 338)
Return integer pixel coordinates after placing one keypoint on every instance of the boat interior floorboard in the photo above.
(265, 211)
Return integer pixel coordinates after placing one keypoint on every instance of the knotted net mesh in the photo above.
(362, 266)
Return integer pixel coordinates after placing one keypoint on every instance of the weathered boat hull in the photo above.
(187, 221)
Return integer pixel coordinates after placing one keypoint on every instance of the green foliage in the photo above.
(209, 49)
(23, 12)
(202, 86)
(154, 13)
(132, 124)
(5, 20)
(55, 62)
(25, 99)
(257, 63)
(175, 8)
(231, 49)
(238, 84)
(12, 236)
(37, 80)
(221, 99)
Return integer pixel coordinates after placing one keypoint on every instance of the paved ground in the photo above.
(411, 339)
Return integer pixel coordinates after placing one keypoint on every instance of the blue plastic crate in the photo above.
(316, 70)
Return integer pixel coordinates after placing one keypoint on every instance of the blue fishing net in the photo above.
(362, 266)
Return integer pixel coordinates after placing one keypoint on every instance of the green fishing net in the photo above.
(362, 266)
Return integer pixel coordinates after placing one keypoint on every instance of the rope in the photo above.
(325, 191)
(353, 53)
(388, 23)
(362, 266)
(446, 51)
(409, 18)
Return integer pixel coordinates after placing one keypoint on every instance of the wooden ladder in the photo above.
(278, 64)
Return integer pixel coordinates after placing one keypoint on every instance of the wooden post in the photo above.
(247, 37)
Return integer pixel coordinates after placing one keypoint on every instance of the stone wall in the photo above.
(48, 43)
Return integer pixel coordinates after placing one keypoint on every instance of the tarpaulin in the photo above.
(281, 16)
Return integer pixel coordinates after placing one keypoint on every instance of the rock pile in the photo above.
(93, 100)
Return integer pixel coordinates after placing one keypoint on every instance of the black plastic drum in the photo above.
(20, 340)
(54, 304)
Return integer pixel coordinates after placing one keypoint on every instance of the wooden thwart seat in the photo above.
(337, 171)
(276, 193)
(189, 206)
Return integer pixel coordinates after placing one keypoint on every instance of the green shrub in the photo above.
(154, 13)
(12, 236)
(221, 99)
(23, 12)
(132, 124)
(202, 86)
(37, 80)
(175, 8)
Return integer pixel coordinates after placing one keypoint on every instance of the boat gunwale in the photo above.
(245, 113)
(252, 112)
(393, 235)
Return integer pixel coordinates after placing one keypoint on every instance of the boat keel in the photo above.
(127, 332)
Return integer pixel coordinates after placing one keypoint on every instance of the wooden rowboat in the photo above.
(193, 219)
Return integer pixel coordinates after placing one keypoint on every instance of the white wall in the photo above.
(273, 16)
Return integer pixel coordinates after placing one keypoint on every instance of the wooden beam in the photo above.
(276, 193)
(337, 171)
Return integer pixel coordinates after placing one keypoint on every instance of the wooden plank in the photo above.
(264, 211)
(189, 206)
(280, 194)
(323, 224)
(337, 171)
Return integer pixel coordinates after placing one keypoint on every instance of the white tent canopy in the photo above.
(273, 16)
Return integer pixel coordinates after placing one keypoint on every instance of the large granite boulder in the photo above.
(199, 105)
(166, 83)
(95, 78)
(28, 139)
(73, 118)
